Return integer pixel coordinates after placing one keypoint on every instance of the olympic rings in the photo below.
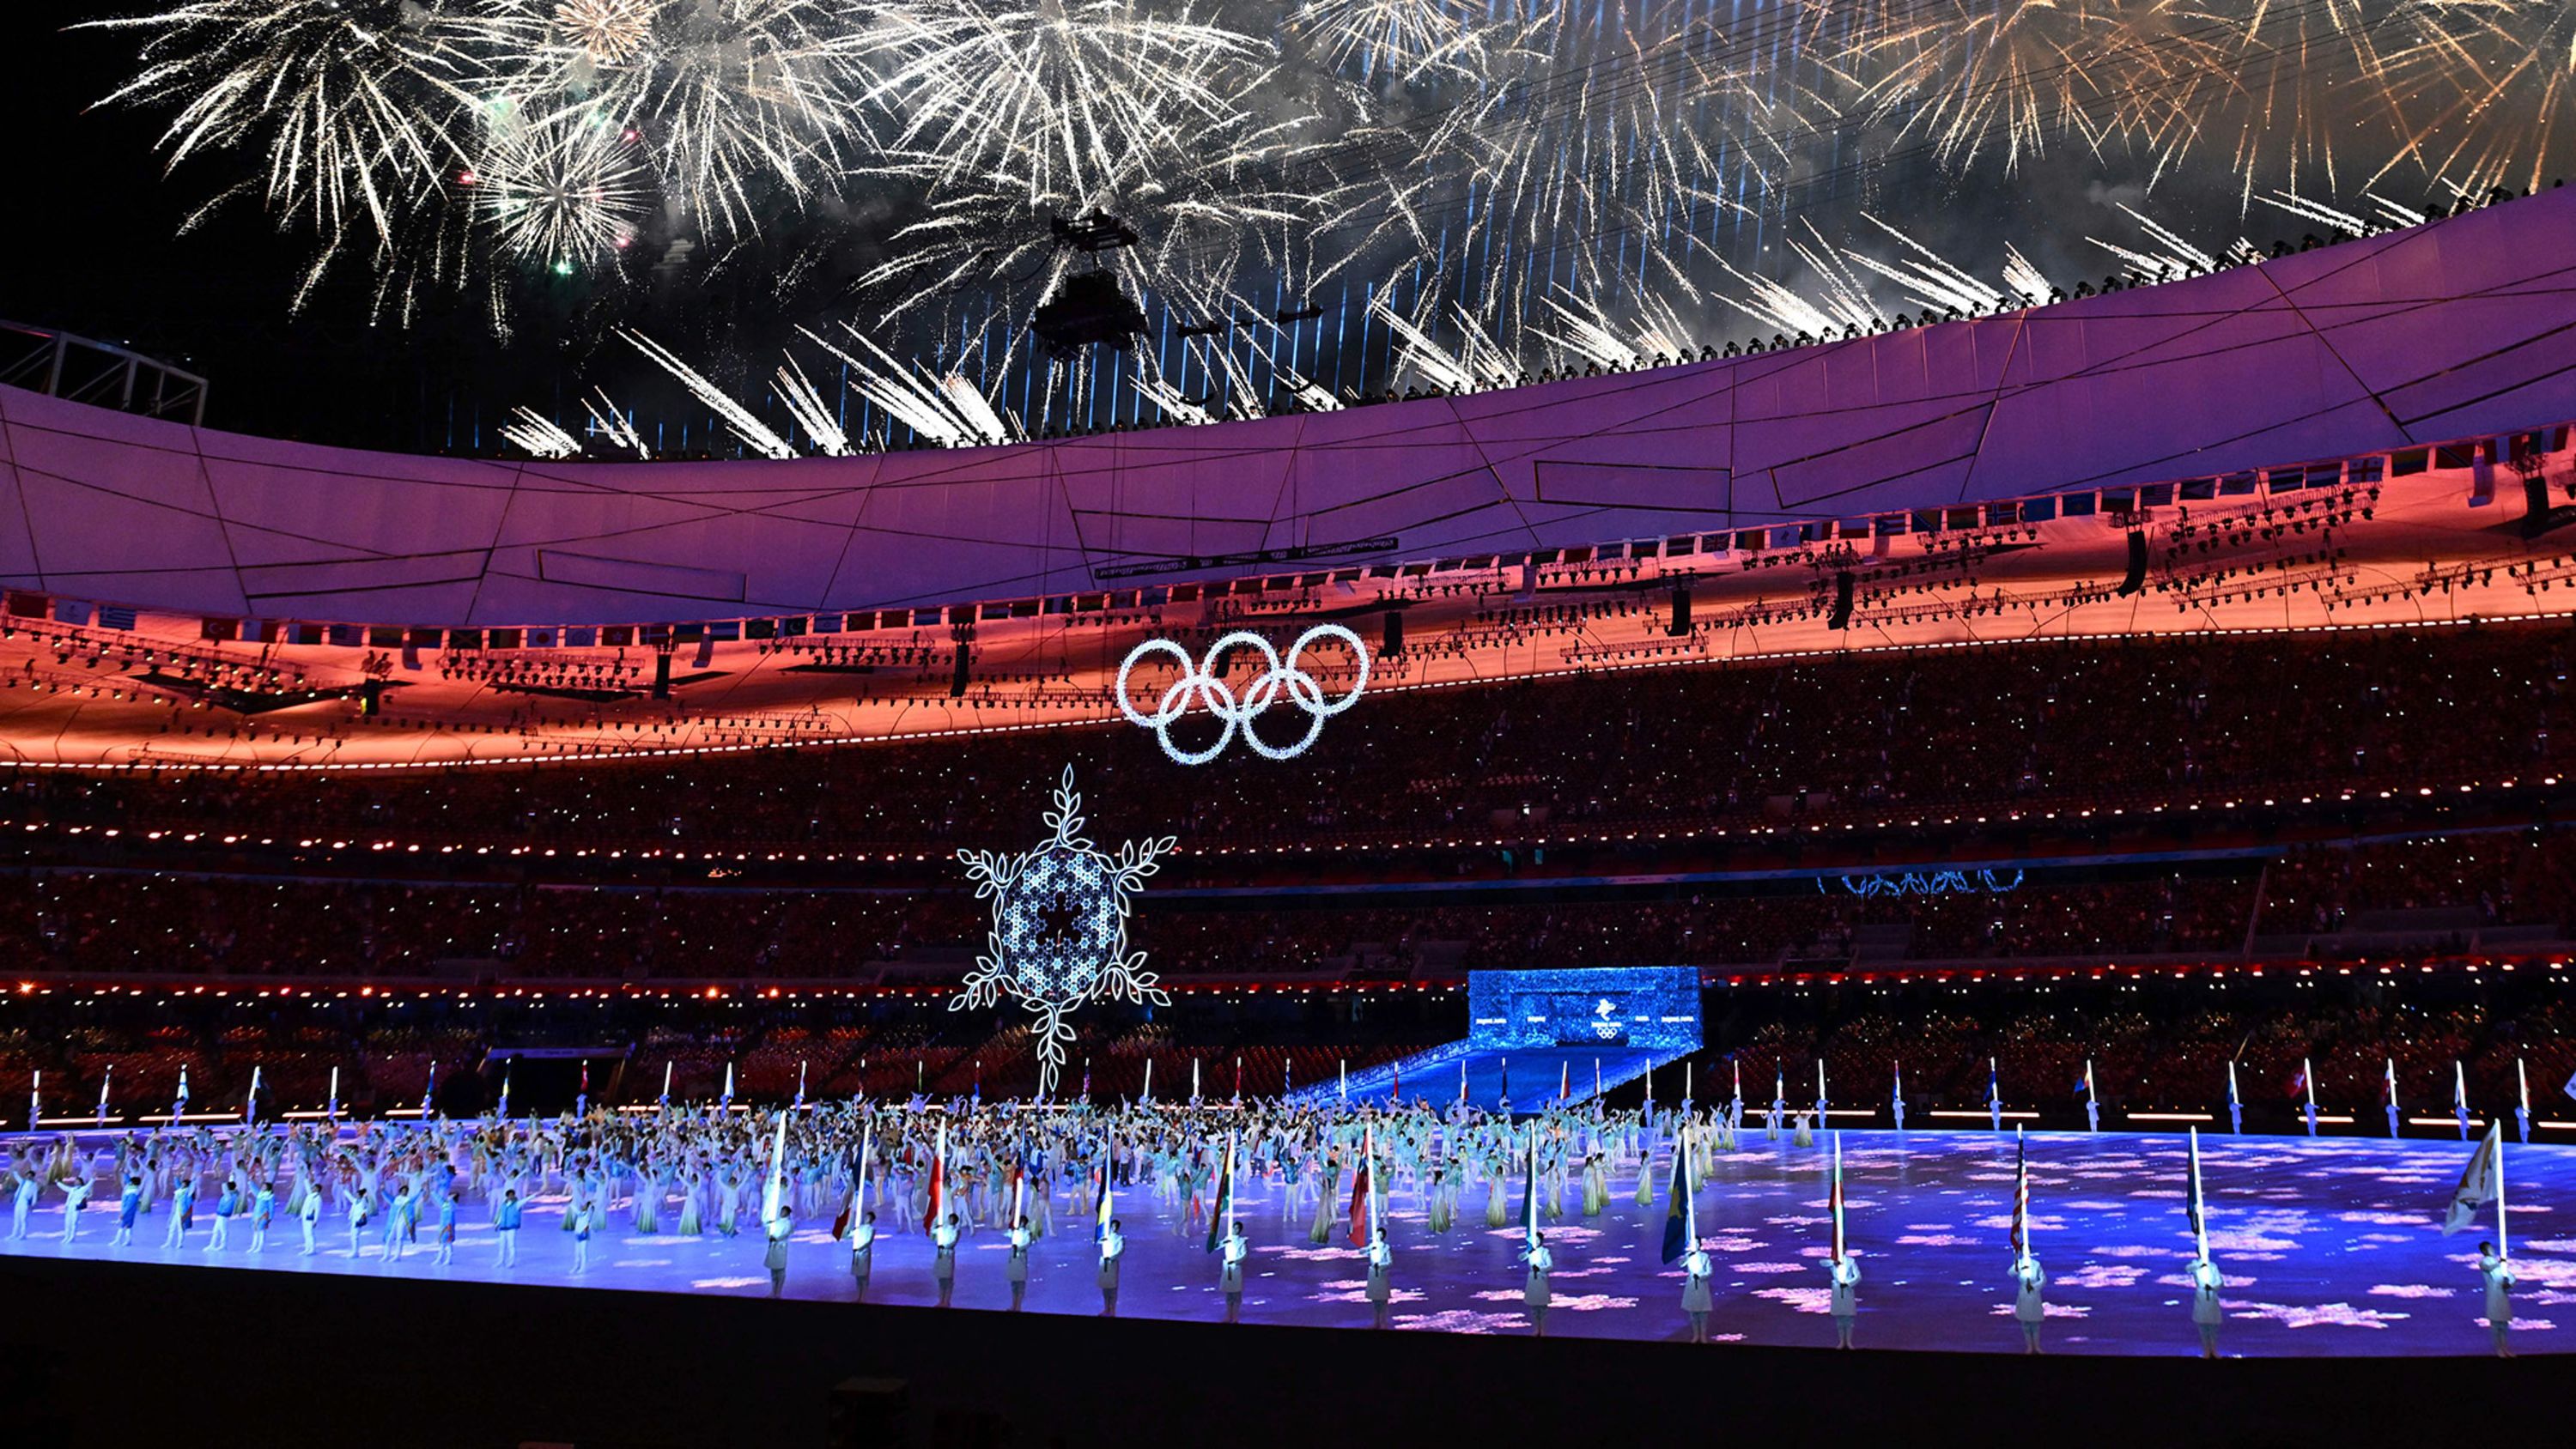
(1201, 684)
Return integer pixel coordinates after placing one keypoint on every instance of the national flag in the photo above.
(2481, 1182)
(1681, 1213)
(1564, 1081)
(1360, 1185)
(938, 1181)
(2392, 1082)
(2570, 1088)
(2299, 1083)
(2232, 1098)
(1507, 1078)
(1221, 1220)
(1994, 1089)
(1100, 1221)
(1397, 1095)
(183, 1087)
(1086, 1079)
(2021, 1195)
(727, 1100)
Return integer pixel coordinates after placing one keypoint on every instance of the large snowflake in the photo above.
(1060, 928)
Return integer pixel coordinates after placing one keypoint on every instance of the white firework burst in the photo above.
(1402, 40)
(360, 106)
(1063, 99)
(738, 103)
(566, 189)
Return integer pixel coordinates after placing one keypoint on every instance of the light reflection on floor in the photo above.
(2330, 1247)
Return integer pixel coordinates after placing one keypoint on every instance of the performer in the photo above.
(1112, 1244)
(225, 1206)
(1229, 1278)
(183, 1210)
(309, 1214)
(581, 1226)
(1695, 1301)
(774, 1256)
(262, 1211)
(30, 1183)
(1845, 1302)
(2029, 1279)
(943, 1264)
(75, 1197)
(2497, 1275)
(1534, 1292)
(446, 1230)
(1016, 1270)
(397, 1240)
(128, 1203)
(2205, 1308)
(863, 1251)
(1381, 1270)
(505, 1227)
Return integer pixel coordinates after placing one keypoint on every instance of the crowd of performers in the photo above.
(944, 1172)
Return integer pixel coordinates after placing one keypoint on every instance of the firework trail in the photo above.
(1485, 184)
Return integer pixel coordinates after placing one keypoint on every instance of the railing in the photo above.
(102, 374)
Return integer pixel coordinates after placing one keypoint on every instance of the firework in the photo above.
(606, 32)
(564, 189)
(534, 433)
(1484, 184)
(1064, 100)
(2502, 73)
(750, 429)
(612, 423)
(1399, 40)
(358, 109)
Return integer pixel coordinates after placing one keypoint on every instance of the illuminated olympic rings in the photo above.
(1200, 683)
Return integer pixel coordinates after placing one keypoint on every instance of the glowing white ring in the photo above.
(1279, 679)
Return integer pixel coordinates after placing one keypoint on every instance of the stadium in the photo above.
(1379, 727)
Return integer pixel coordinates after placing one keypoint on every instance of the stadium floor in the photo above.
(2330, 1247)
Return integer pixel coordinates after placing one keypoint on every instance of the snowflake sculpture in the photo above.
(1060, 928)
